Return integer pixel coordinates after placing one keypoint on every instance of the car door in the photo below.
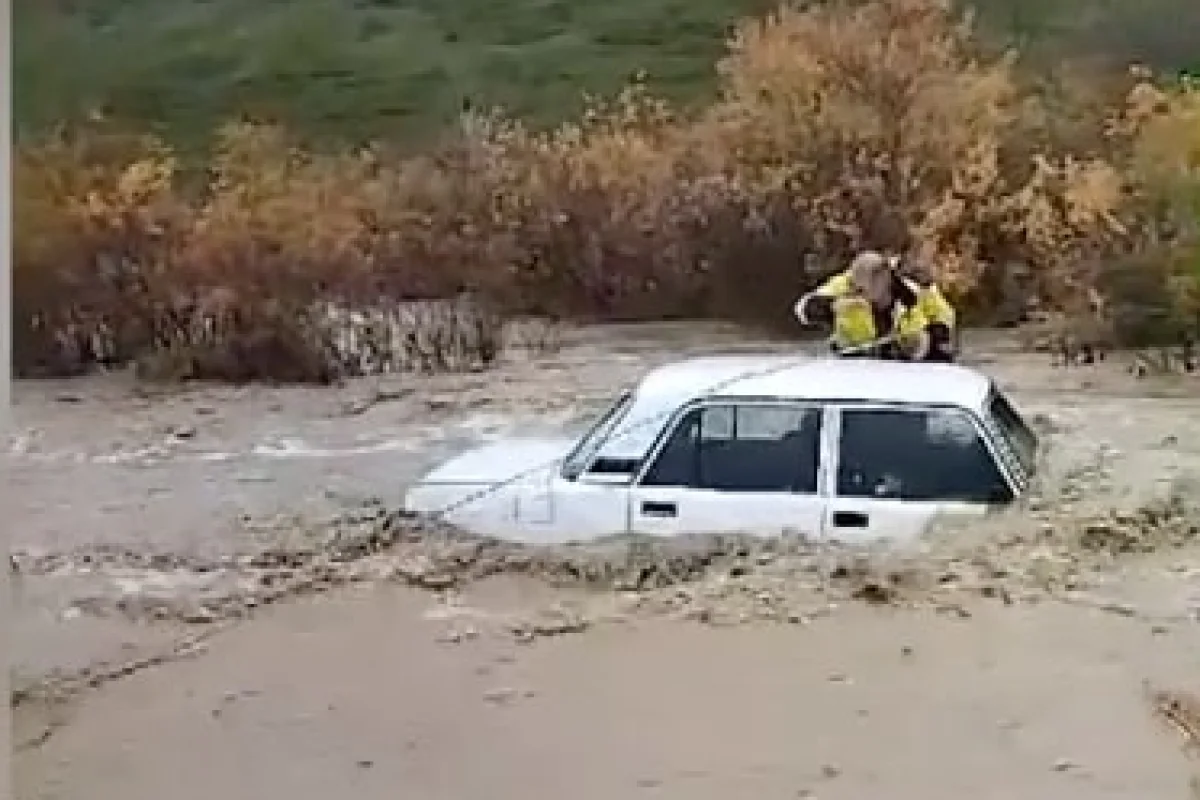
(749, 466)
(897, 469)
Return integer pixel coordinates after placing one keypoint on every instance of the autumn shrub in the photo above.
(838, 126)
(127, 262)
(1154, 293)
(96, 220)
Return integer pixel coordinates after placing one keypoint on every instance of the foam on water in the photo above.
(473, 429)
(292, 448)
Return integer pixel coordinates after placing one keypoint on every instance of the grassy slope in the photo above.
(403, 68)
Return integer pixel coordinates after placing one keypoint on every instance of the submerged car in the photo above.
(826, 448)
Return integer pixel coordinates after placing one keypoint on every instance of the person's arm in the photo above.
(913, 337)
(817, 307)
(936, 307)
(931, 312)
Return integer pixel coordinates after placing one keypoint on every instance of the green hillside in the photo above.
(404, 68)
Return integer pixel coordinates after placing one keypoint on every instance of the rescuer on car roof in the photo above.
(875, 311)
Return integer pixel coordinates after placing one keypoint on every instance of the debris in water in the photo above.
(1180, 710)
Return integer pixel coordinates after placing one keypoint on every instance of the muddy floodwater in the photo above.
(206, 606)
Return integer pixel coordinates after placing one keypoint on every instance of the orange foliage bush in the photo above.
(1155, 293)
(881, 124)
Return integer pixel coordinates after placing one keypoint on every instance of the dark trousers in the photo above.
(890, 351)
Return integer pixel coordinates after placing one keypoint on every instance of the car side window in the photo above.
(910, 454)
(742, 448)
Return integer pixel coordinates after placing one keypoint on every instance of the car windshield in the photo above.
(1020, 438)
(583, 452)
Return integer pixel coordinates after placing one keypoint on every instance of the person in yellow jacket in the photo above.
(873, 310)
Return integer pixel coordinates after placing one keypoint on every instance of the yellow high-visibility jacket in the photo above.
(915, 307)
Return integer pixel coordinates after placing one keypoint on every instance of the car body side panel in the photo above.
(855, 520)
(672, 510)
(477, 507)
(539, 509)
(583, 511)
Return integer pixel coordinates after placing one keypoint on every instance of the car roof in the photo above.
(809, 378)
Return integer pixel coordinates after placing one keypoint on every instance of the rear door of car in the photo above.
(744, 465)
(896, 469)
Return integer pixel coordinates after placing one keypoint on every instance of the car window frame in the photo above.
(681, 414)
(1024, 465)
(598, 434)
(836, 421)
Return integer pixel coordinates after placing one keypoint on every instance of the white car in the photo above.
(827, 448)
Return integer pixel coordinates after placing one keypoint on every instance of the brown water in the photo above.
(1028, 701)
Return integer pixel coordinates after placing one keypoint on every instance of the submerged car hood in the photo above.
(500, 461)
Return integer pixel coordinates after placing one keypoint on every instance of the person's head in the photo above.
(871, 276)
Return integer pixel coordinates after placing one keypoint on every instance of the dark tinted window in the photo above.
(916, 455)
(742, 448)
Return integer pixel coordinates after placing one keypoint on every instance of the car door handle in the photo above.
(850, 519)
(659, 509)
